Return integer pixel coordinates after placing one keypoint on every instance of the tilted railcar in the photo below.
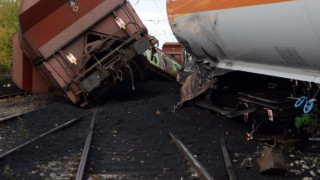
(78, 46)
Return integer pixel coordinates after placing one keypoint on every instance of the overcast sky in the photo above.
(153, 13)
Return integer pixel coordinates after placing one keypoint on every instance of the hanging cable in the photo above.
(136, 3)
(316, 92)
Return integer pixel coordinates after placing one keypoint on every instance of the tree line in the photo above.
(9, 24)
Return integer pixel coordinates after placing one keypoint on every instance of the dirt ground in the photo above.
(131, 140)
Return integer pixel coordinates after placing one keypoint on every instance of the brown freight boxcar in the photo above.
(174, 50)
(81, 47)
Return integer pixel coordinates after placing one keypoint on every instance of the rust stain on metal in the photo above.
(193, 87)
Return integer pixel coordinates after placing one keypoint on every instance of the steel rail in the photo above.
(44, 134)
(204, 174)
(12, 116)
(16, 115)
(86, 149)
(231, 173)
(13, 95)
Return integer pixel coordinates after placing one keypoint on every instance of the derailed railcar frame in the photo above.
(96, 67)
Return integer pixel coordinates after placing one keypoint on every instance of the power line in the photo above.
(155, 30)
(137, 3)
(160, 11)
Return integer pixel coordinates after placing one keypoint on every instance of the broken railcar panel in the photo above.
(80, 46)
(275, 102)
(207, 32)
(260, 99)
(272, 162)
(162, 63)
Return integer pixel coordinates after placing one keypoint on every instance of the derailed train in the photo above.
(83, 48)
(255, 57)
(250, 57)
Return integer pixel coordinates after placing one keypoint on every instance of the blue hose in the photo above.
(308, 106)
(300, 101)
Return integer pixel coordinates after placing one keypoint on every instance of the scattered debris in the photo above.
(272, 162)
(70, 163)
(93, 178)
(192, 87)
(314, 139)
(313, 173)
(158, 112)
(283, 140)
(307, 178)
(246, 163)
(7, 85)
(295, 171)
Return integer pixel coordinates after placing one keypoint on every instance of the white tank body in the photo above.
(272, 37)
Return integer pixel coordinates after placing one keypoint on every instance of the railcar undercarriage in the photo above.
(267, 102)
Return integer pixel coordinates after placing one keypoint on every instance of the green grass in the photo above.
(9, 24)
(9, 174)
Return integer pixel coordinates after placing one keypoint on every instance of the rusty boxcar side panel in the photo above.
(24, 75)
(82, 47)
(174, 50)
(49, 25)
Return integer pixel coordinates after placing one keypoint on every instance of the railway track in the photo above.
(197, 166)
(196, 171)
(13, 95)
(43, 135)
(86, 149)
(130, 141)
(119, 155)
(78, 164)
(81, 162)
(14, 105)
(128, 153)
(18, 150)
(19, 112)
(25, 146)
(16, 115)
(84, 152)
